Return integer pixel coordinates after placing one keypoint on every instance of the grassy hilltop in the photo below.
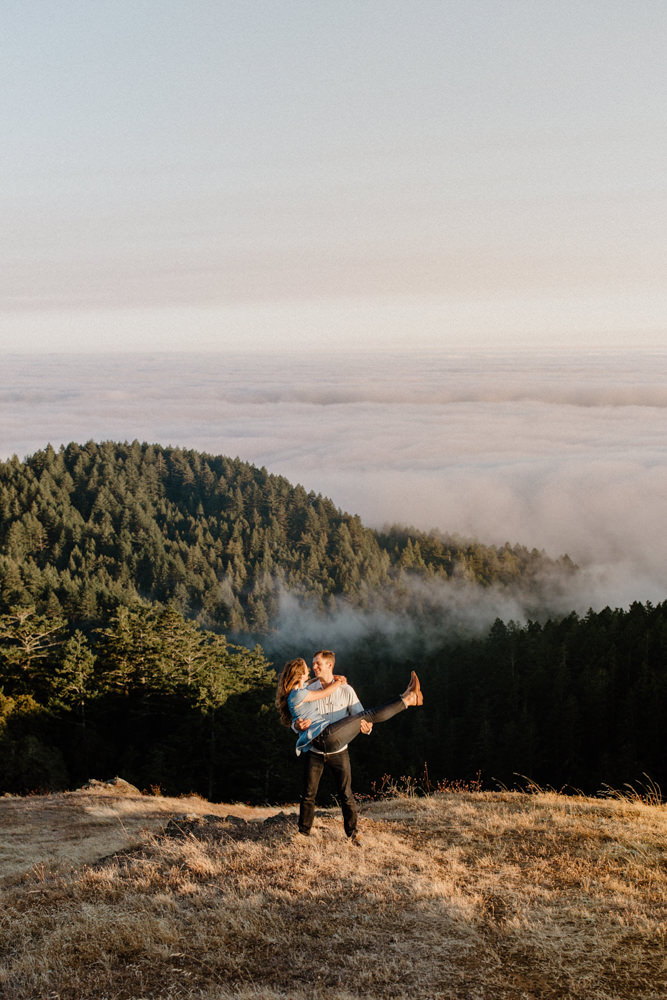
(458, 895)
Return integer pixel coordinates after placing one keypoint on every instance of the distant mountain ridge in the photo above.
(91, 527)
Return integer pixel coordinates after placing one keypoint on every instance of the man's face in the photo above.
(323, 670)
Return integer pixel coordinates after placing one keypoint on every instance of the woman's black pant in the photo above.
(339, 734)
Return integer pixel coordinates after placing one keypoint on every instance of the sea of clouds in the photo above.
(559, 452)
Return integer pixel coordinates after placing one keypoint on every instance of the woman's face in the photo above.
(303, 676)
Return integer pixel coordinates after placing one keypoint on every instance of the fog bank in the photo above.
(558, 452)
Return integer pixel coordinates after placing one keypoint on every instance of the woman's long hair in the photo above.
(287, 681)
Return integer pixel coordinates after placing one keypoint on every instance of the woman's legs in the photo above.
(338, 734)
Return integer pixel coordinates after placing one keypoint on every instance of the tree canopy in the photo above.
(134, 578)
(88, 528)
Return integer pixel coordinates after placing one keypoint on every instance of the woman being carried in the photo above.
(292, 697)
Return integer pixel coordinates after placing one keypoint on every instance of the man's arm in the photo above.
(356, 708)
(351, 706)
(301, 724)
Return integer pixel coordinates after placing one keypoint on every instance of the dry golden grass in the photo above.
(76, 828)
(474, 896)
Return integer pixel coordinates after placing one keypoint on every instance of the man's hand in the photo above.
(366, 727)
(302, 724)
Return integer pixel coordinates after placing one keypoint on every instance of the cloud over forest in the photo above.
(561, 453)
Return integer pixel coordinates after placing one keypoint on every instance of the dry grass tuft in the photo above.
(458, 895)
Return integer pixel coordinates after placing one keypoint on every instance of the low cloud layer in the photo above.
(412, 620)
(565, 454)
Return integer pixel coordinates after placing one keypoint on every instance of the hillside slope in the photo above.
(87, 528)
(470, 896)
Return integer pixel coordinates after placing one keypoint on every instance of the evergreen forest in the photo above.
(140, 588)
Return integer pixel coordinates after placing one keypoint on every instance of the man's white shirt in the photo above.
(342, 701)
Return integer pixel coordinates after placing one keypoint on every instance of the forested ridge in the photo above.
(90, 527)
(131, 577)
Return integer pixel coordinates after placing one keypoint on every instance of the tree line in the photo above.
(131, 577)
(87, 528)
(148, 695)
(576, 702)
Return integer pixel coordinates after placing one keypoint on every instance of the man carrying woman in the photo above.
(328, 715)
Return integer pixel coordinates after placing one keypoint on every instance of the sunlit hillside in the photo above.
(458, 895)
(86, 529)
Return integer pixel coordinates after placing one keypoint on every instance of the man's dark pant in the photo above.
(339, 766)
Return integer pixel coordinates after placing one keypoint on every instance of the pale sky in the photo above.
(432, 174)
